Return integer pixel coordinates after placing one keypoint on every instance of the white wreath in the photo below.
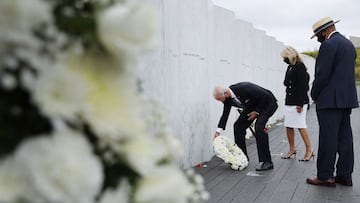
(228, 151)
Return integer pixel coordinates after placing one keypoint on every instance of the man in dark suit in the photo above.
(334, 92)
(257, 103)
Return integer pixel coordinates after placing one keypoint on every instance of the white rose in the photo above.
(60, 168)
(19, 17)
(11, 181)
(121, 194)
(129, 27)
(143, 153)
(60, 92)
(163, 185)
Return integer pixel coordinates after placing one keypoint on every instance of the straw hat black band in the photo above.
(323, 26)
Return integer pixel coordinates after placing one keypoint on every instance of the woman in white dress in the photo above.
(296, 102)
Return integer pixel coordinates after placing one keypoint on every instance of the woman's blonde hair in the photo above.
(291, 54)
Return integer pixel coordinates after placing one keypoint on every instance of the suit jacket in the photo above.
(251, 96)
(297, 85)
(334, 83)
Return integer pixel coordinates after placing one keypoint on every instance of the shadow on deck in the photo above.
(287, 181)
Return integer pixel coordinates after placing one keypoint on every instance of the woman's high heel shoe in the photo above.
(312, 155)
(289, 155)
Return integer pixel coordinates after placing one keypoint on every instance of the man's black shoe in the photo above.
(265, 166)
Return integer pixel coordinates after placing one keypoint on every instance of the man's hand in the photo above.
(299, 109)
(216, 134)
(252, 115)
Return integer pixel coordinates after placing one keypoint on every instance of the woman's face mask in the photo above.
(287, 61)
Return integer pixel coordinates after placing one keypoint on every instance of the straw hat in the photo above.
(322, 24)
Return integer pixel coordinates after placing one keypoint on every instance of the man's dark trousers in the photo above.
(335, 136)
(262, 137)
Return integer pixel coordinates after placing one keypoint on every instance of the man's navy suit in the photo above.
(252, 98)
(334, 92)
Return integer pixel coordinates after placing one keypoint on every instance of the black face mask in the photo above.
(321, 38)
(287, 61)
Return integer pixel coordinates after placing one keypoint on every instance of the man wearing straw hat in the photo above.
(334, 93)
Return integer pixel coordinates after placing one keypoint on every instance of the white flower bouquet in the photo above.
(228, 151)
(72, 128)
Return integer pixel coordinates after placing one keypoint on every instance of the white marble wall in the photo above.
(203, 45)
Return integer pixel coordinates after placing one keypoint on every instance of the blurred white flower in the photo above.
(129, 27)
(11, 63)
(163, 185)
(27, 79)
(119, 195)
(200, 194)
(143, 153)
(157, 126)
(60, 92)
(113, 109)
(172, 145)
(11, 181)
(19, 17)
(60, 168)
(34, 59)
(70, 80)
(8, 81)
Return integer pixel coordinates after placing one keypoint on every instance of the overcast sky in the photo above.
(290, 21)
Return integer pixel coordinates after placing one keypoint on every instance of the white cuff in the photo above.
(219, 130)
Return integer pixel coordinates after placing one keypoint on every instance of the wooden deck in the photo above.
(287, 181)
